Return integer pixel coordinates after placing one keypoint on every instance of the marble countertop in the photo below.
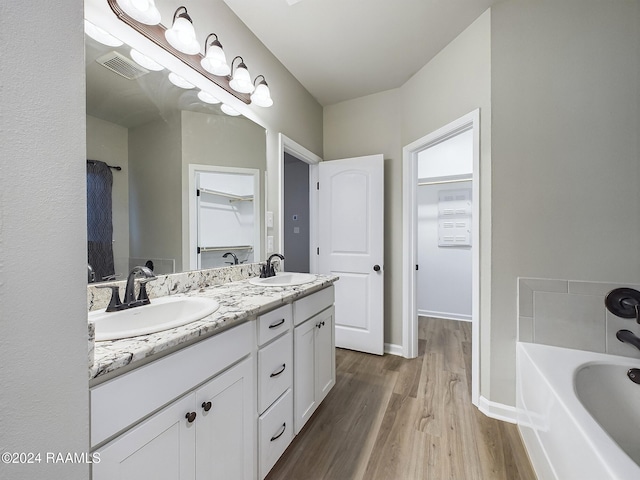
(239, 301)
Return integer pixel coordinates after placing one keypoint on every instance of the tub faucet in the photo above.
(627, 336)
(235, 258)
(129, 292)
(267, 269)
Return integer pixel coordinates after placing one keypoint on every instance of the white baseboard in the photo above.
(496, 410)
(444, 315)
(393, 349)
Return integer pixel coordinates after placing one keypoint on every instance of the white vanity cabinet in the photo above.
(207, 433)
(314, 353)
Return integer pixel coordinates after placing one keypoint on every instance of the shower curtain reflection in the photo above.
(99, 219)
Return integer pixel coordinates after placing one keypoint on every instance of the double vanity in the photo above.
(219, 397)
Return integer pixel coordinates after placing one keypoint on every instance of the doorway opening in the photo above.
(298, 206)
(297, 243)
(447, 200)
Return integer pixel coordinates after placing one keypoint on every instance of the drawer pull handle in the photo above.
(320, 324)
(275, 437)
(275, 374)
(276, 324)
(206, 406)
(191, 416)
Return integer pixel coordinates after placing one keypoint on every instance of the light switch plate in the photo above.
(270, 244)
(269, 219)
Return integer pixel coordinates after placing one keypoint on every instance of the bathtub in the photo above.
(578, 413)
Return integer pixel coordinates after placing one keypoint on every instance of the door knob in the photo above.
(376, 268)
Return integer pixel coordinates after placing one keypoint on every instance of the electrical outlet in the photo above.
(270, 244)
(269, 219)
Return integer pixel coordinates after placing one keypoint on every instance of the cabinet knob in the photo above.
(376, 268)
(191, 416)
(206, 406)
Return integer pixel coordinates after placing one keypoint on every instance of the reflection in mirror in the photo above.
(229, 197)
(153, 131)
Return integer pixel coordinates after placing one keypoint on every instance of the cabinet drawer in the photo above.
(273, 324)
(275, 430)
(275, 370)
(308, 306)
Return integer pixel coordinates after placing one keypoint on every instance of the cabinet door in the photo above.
(162, 448)
(225, 430)
(304, 348)
(325, 364)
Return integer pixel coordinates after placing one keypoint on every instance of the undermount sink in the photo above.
(161, 314)
(284, 279)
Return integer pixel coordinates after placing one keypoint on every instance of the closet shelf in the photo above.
(232, 197)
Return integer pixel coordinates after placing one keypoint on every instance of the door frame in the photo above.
(286, 145)
(410, 233)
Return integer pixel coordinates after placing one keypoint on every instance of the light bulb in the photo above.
(144, 11)
(145, 61)
(262, 95)
(206, 97)
(229, 110)
(182, 35)
(241, 81)
(215, 61)
(100, 35)
(178, 81)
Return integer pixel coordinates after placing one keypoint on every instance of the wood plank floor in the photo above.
(389, 418)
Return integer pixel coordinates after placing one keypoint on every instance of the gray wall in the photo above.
(155, 190)
(43, 340)
(296, 202)
(224, 141)
(565, 154)
(443, 287)
(453, 84)
(109, 143)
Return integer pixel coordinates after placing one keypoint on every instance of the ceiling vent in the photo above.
(121, 65)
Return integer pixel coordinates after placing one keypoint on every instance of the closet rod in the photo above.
(239, 198)
(438, 182)
(220, 249)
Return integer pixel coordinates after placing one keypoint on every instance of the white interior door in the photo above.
(351, 245)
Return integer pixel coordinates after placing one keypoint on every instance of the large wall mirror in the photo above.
(144, 137)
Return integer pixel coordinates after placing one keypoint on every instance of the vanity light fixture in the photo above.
(180, 41)
(182, 35)
(144, 11)
(206, 97)
(100, 35)
(145, 61)
(178, 81)
(261, 96)
(214, 60)
(229, 110)
(240, 78)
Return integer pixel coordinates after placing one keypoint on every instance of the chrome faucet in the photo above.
(267, 269)
(129, 292)
(235, 258)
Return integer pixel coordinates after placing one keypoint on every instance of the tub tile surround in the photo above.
(571, 314)
(229, 286)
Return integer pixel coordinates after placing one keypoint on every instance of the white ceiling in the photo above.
(344, 49)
